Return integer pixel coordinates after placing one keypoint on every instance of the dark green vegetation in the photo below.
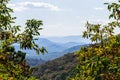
(57, 69)
(12, 63)
(33, 62)
(101, 61)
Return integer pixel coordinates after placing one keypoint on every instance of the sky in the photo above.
(61, 17)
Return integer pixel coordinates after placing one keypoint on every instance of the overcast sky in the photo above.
(61, 17)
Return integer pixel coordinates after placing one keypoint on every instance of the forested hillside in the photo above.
(57, 69)
(33, 62)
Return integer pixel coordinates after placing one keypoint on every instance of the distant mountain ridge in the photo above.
(55, 49)
(66, 39)
(49, 45)
(54, 55)
(71, 44)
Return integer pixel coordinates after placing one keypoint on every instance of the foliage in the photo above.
(12, 63)
(101, 61)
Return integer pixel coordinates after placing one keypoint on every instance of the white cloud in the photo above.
(27, 5)
(96, 21)
(99, 21)
(17, 7)
(99, 8)
(110, 1)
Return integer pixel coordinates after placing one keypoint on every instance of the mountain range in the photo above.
(67, 39)
(56, 47)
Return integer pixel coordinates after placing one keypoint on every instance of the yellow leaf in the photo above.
(11, 78)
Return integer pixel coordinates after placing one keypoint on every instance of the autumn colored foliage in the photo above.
(101, 60)
(12, 63)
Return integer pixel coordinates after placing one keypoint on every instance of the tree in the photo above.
(12, 63)
(101, 61)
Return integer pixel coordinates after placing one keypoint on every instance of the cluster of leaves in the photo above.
(12, 63)
(101, 61)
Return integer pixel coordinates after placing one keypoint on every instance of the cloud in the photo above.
(96, 21)
(27, 5)
(18, 8)
(110, 1)
(99, 8)
(99, 21)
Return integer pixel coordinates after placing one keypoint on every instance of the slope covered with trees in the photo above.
(33, 62)
(101, 61)
(57, 69)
